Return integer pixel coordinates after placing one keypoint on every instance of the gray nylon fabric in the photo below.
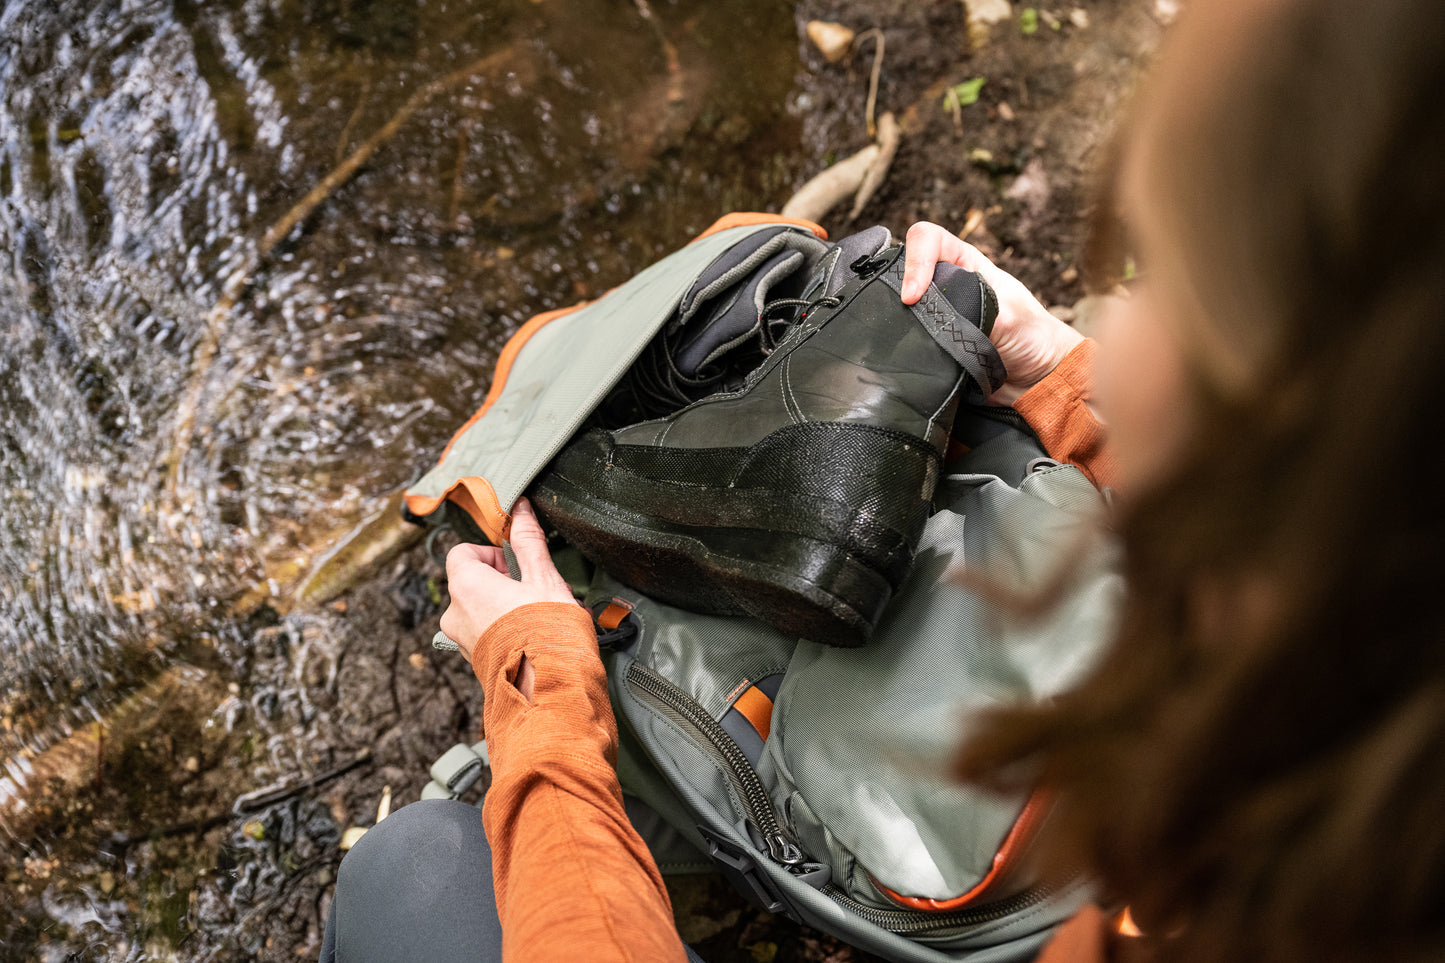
(557, 379)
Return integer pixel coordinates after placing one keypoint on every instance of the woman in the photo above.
(1254, 771)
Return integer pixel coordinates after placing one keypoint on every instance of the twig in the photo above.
(250, 802)
(220, 314)
(876, 34)
(345, 137)
(454, 210)
(261, 798)
(826, 189)
(674, 63)
(888, 137)
(185, 828)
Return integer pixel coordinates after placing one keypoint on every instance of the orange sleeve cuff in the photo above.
(1057, 410)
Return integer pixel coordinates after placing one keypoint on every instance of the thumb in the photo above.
(529, 544)
(922, 247)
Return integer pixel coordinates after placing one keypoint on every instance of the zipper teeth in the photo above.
(914, 921)
(755, 796)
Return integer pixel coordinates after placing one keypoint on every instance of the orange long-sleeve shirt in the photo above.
(573, 879)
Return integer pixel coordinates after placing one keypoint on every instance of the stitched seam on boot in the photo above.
(933, 418)
(795, 411)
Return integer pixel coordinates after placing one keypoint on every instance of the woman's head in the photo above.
(1280, 186)
(1258, 762)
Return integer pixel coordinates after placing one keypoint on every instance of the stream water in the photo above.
(147, 147)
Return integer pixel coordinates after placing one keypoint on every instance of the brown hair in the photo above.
(1259, 765)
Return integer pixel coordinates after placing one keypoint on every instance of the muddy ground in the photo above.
(157, 853)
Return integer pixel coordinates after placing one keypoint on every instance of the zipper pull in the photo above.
(784, 850)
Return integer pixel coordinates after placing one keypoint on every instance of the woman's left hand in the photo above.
(481, 590)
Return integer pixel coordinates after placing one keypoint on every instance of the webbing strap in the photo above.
(456, 771)
(963, 339)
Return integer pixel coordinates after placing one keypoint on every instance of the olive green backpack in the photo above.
(815, 778)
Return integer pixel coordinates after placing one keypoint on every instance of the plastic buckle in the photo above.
(459, 768)
(740, 867)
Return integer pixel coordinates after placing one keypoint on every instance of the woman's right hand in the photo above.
(1029, 339)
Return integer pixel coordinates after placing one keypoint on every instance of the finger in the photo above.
(922, 246)
(466, 555)
(489, 555)
(972, 259)
(529, 545)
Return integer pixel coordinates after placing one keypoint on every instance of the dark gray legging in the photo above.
(418, 886)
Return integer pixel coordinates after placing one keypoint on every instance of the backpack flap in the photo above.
(558, 368)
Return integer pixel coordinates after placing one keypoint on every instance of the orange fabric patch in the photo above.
(757, 708)
(745, 219)
(613, 615)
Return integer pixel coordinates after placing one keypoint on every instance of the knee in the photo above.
(433, 838)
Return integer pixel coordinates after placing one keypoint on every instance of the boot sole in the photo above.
(810, 530)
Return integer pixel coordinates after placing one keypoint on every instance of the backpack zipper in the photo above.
(916, 922)
(681, 708)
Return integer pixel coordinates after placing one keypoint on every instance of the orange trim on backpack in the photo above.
(757, 708)
(475, 496)
(1008, 855)
(747, 219)
(613, 614)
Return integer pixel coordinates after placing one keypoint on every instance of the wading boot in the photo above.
(799, 494)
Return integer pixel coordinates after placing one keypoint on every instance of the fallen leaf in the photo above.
(964, 94)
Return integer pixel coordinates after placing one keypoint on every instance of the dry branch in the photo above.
(888, 137)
